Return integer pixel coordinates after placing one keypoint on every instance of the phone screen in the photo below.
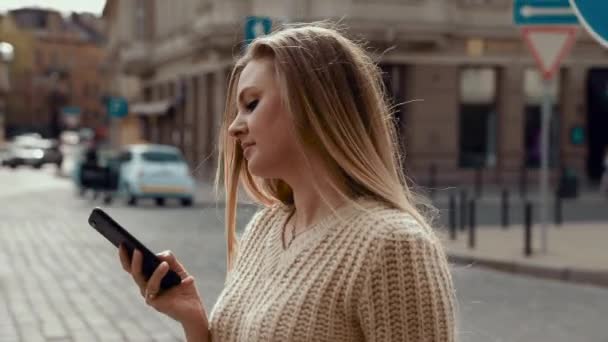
(116, 234)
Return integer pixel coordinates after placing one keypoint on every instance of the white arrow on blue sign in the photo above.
(543, 12)
(256, 27)
(593, 14)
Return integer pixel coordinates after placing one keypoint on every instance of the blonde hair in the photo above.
(335, 94)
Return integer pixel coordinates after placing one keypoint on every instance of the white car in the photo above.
(154, 171)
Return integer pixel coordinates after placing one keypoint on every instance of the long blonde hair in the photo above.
(335, 94)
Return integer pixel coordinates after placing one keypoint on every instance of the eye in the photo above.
(251, 105)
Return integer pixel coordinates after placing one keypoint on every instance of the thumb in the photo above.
(174, 265)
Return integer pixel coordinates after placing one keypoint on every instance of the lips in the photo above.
(245, 145)
(246, 148)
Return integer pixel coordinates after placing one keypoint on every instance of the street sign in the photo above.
(549, 29)
(577, 135)
(549, 46)
(543, 12)
(593, 14)
(71, 116)
(257, 27)
(117, 107)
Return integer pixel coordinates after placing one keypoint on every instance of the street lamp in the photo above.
(6, 56)
(7, 53)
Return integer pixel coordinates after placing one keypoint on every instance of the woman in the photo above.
(340, 252)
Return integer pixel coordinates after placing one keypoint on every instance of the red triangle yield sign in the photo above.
(549, 45)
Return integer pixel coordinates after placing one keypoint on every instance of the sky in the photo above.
(64, 6)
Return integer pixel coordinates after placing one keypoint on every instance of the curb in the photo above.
(596, 278)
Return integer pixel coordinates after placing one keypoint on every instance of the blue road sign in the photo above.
(593, 14)
(256, 27)
(544, 12)
(117, 107)
(70, 110)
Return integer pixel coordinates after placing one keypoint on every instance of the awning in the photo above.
(155, 108)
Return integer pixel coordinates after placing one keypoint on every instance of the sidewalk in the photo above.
(576, 252)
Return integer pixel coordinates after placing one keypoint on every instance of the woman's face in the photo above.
(262, 125)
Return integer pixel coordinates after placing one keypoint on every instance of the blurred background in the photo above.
(118, 103)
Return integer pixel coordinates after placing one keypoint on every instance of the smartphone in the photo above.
(116, 234)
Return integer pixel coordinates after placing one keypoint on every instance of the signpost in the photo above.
(593, 14)
(549, 29)
(117, 107)
(256, 27)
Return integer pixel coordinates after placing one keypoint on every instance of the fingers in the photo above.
(175, 265)
(124, 258)
(136, 272)
(153, 286)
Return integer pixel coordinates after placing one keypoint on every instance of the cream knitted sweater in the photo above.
(357, 275)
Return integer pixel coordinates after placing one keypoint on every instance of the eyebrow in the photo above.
(240, 97)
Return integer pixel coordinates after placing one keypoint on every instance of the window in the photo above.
(161, 157)
(477, 117)
(394, 78)
(125, 157)
(140, 19)
(533, 89)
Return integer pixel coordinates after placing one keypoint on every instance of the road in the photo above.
(61, 281)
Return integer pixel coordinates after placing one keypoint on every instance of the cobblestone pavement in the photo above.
(61, 281)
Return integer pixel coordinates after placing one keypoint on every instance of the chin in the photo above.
(260, 169)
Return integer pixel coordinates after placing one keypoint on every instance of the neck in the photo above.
(310, 204)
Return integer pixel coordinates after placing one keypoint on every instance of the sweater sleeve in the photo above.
(407, 295)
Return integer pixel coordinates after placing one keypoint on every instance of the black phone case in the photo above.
(116, 234)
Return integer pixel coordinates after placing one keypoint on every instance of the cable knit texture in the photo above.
(365, 273)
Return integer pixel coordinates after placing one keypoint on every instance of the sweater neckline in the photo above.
(313, 232)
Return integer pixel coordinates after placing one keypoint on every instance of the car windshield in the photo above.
(161, 157)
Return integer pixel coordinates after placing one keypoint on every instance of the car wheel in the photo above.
(107, 199)
(186, 202)
(37, 165)
(160, 201)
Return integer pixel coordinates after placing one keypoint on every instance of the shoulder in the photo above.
(381, 223)
(394, 235)
(261, 218)
(262, 222)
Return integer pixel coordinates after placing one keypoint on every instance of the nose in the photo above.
(238, 127)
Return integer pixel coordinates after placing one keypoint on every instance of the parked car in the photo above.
(154, 171)
(32, 150)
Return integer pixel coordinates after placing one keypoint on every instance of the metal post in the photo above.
(544, 171)
(463, 209)
(478, 181)
(505, 208)
(452, 217)
(558, 210)
(472, 223)
(523, 180)
(528, 229)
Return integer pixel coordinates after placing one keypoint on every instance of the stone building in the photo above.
(62, 86)
(466, 87)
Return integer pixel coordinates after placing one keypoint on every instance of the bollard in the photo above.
(523, 181)
(558, 210)
(463, 209)
(505, 208)
(472, 223)
(452, 217)
(528, 230)
(478, 181)
(432, 179)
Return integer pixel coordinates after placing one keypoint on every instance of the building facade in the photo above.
(466, 90)
(62, 86)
